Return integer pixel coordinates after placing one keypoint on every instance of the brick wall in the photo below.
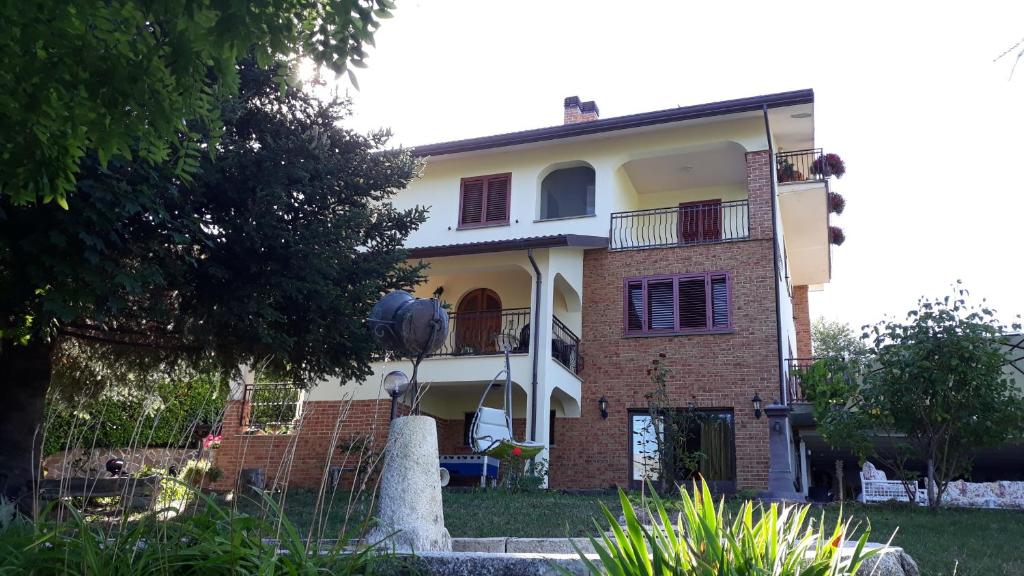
(715, 371)
(802, 319)
(308, 449)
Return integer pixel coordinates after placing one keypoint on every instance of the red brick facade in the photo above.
(802, 319)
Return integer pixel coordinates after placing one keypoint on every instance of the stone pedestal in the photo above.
(411, 516)
(780, 471)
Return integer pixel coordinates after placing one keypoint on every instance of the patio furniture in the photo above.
(875, 487)
(491, 430)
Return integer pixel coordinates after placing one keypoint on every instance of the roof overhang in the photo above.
(513, 244)
(680, 114)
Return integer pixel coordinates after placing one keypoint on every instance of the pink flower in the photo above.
(211, 441)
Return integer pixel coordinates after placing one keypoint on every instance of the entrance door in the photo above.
(477, 322)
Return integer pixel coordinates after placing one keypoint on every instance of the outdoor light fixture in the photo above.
(757, 405)
(603, 405)
(395, 383)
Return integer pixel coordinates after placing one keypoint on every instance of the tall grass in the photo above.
(777, 540)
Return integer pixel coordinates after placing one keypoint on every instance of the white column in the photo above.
(805, 479)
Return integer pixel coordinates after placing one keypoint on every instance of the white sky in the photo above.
(931, 130)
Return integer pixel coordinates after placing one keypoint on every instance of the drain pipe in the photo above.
(536, 347)
(775, 257)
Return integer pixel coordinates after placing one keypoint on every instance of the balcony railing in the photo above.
(801, 166)
(271, 408)
(799, 368)
(484, 333)
(683, 225)
(565, 346)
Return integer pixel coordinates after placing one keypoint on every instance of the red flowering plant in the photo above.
(212, 441)
(836, 235)
(828, 165)
(836, 203)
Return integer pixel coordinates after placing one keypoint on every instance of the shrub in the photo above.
(774, 541)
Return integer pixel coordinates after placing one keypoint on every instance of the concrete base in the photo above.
(411, 517)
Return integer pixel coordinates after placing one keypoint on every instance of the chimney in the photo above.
(576, 111)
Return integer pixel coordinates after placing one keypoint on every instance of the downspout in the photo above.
(775, 256)
(536, 346)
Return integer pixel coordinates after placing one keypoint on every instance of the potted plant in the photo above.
(828, 165)
(836, 203)
(836, 235)
(785, 170)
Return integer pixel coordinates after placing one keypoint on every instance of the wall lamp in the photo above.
(757, 405)
(602, 404)
(395, 383)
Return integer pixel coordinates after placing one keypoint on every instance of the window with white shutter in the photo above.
(678, 304)
(485, 200)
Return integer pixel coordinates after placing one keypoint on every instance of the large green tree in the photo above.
(121, 77)
(933, 390)
(273, 255)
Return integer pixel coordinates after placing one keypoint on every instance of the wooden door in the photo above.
(700, 221)
(477, 322)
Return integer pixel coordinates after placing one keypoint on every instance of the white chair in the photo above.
(875, 487)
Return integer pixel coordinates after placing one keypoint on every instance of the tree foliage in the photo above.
(935, 387)
(272, 256)
(834, 339)
(119, 78)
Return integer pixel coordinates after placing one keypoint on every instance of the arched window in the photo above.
(567, 192)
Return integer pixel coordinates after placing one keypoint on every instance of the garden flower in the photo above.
(212, 442)
(517, 451)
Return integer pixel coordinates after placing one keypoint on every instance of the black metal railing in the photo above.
(686, 224)
(271, 408)
(801, 166)
(483, 333)
(819, 368)
(565, 346)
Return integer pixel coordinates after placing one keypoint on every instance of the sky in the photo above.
(930, 128)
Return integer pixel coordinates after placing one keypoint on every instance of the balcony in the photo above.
(484, 333)
(811, 165)
(683, 225)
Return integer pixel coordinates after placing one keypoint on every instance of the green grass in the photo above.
(952, 542)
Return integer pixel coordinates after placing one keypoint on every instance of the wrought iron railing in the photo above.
(271, 408)
(483, 333)
(801, 166)
(818, 367)
(686, 224)
(565, 346)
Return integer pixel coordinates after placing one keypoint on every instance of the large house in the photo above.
(690, 236)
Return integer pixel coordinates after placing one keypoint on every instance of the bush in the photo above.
(116, 416)
(773, 541)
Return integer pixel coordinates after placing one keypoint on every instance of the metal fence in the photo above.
(699, 223)
(800, 166)
(482, 333)
(565, 346)
(271, 408)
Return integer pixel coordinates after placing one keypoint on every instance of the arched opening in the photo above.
(477, 322)
(567, 192)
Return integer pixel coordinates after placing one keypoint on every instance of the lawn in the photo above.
(960, 542)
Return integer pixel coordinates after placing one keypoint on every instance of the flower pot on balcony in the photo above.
(836, 203)
(828, 165)
(836, 235)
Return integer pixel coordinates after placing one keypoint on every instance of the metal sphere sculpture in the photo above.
(410, 327)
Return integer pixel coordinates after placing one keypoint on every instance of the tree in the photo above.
(834, 339)
(935, 387)
(272, 256)
(120, 77)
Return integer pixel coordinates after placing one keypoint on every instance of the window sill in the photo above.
(565, 218)
(694, 333)
(487, 225)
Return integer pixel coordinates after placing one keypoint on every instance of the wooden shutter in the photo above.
(497, 204)
(693, 304)
(471, 207)
(661, 308)
(719, 301)
(634, 305)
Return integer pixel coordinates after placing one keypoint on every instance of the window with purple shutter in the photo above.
(485, 200)
(678, 304)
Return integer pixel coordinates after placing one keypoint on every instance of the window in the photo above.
(698, 441)
(551, 430)
(685, 303)
(467, 428)
(484, 200)
(567, 192)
